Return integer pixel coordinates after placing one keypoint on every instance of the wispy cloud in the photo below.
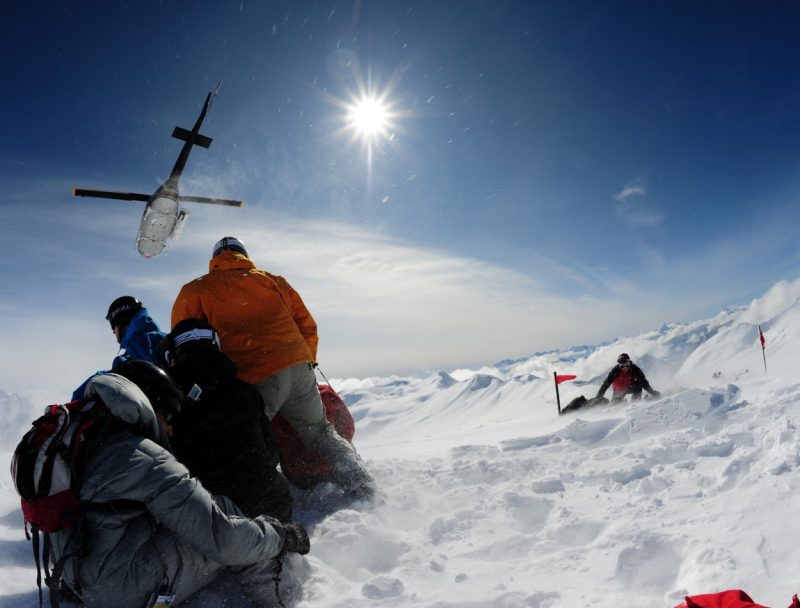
(630, 191)
(383, 305)
(634, 208)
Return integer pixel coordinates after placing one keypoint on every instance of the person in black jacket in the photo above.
(626, 378)
(222, 434)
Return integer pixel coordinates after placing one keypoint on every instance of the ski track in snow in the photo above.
(489, 499)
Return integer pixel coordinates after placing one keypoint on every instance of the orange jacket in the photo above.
(262, 323)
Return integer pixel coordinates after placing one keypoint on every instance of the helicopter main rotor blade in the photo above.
(211, 201)
(120, 196)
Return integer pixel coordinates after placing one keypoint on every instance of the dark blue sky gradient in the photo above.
(548, 105)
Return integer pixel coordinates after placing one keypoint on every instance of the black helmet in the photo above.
(122, 310)
(155, 383)
(188, 335)
(623, 359)
(228, 242)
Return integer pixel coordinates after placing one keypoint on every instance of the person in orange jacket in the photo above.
(267, 331)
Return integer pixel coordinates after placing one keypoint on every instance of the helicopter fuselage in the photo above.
(159, 221)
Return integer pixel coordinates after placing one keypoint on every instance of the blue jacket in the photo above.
(139, 342)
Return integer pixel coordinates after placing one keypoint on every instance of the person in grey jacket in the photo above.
(162, 531)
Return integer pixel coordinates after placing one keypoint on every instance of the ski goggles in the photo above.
(196, 334)
(173, 345)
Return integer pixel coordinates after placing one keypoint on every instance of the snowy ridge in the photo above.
(493, 500)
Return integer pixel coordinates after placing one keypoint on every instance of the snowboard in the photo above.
(582, 401)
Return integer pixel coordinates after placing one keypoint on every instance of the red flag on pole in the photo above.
(559, 378)
(763, 347)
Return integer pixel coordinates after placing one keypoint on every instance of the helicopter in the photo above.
(163, 218)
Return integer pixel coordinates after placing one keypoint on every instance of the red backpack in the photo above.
(45, 469)
(44, 464)
(305, 467)
(734, 598)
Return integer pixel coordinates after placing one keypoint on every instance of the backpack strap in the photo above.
(35, 542)
(42, 558)
(53, 579)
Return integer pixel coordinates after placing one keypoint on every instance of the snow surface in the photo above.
(490, 499)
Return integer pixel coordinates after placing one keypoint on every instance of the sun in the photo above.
(368, 117)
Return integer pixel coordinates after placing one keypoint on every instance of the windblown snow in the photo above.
(490, 499)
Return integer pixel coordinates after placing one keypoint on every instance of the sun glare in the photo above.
(368, 117)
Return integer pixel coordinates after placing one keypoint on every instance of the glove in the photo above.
(294, 538)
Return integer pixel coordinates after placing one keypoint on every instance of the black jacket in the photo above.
(638, 381)
(225, 438)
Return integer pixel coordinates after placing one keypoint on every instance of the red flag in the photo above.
(565, 377)
(761, 337)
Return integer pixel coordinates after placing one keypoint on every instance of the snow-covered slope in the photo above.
(493, 500)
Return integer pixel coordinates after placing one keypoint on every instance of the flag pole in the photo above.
(558, 398)
(763, 348)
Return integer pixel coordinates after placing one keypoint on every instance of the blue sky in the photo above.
(551, 174)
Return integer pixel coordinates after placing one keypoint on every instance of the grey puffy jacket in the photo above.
(173, 532)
